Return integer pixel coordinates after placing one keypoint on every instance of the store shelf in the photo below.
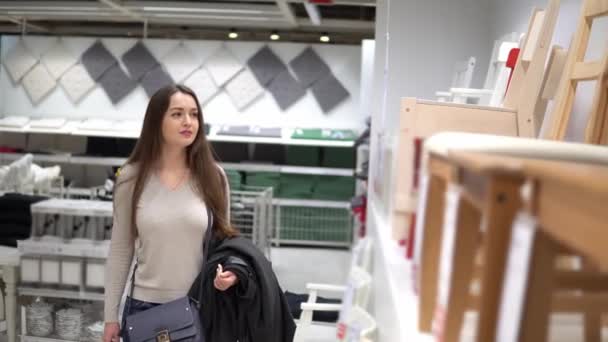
(78, 248)
(67, 159)
(303, 170)
(25, 338)
(310, 243)
(117, 161)
(72, 128)
(395, 303)
(54, 293)
(310, 203)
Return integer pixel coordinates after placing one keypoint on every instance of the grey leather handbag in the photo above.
(177, 320)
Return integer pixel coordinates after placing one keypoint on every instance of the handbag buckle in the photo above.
(163, 336)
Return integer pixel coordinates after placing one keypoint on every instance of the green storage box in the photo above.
(264, 180)
(324, 134)
(339, 157)
(297, 186)
(303, 155)
(334, 188)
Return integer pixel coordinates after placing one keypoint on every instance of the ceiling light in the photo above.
(233, 34)
(324, 38)
(275, 36)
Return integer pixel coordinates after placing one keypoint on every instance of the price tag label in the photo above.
(516, 278)
(450, 220)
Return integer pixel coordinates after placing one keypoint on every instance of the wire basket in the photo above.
(252, 214)
(312, 222)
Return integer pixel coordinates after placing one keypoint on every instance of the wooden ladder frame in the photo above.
(577, 70)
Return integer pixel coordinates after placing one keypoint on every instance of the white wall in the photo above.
(417, 45)
(416, 58)
(513, 15)
(344, 61)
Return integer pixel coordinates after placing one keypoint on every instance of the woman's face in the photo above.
(180, 123)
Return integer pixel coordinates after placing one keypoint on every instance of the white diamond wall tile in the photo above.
(180, 63)
(58, 60)
(202, 84)
(243, 89)
(18, 61)
(77, 83)
(223, 66)
(38, 83)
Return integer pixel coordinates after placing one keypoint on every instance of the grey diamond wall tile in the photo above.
(329, 92)
(139, 60)
(265, 65)
(309, 67)
(38, 83)
(97, 60)
(18, 61)
(286, 90)
(243, 89)
(180, 63)
(58, 60)
(117, 84)
(223, 66)
(77, 83)
(203, 86)
(156, 79)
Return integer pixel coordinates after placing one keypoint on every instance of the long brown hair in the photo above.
(209, 182)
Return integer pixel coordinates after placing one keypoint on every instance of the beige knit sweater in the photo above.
(168, 246)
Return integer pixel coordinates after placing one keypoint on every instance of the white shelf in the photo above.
(395, 303)
(310, 203)
(117, 161)
(303, 170)
(54, 293)
(72, 127)
(68, 159)
(55, 246)
(25, 338)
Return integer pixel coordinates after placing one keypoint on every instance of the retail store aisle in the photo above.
(296, 266)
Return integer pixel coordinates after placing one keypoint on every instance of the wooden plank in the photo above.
(551, 78)
(429, 119)
(535, 320)
(511, 99)
(558, 211)
(465, 247)
(597, 116)
(555, 70)
(587, 70)
(533, 84)
(431, 245)
(581, 280)
(503, 202)
(596, 8)
(562, 109)
(534, 34)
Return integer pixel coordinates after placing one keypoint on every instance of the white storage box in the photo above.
(71, 271)
(50, 270)
(95, 274)
(30, 269)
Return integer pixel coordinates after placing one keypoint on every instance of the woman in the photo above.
(159, 201)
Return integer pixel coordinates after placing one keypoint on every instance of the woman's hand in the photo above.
(111, 332)
(223, 280)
